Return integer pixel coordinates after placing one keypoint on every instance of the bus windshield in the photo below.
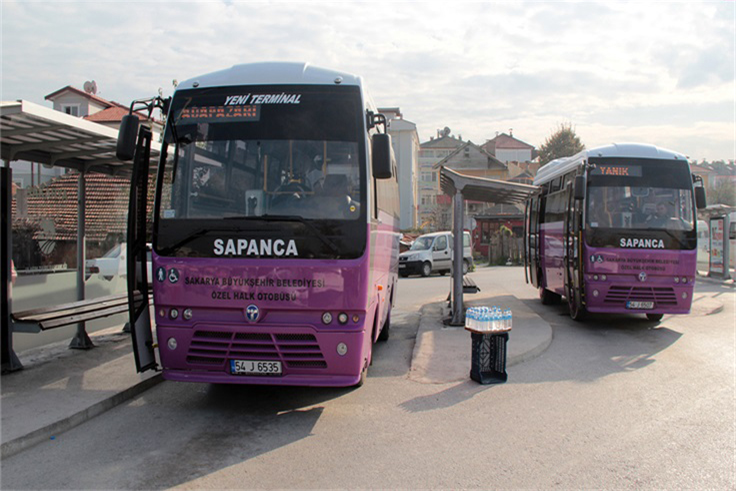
(640, 208)
(241, 156)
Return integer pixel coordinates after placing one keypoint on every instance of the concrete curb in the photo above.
(21, 443)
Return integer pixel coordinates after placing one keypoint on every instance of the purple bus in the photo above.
(613, 229)
(274, 230)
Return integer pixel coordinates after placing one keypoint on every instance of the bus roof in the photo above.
(562, 166)
(272, 73)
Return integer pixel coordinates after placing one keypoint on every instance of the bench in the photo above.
(44, 318)
(469, 286)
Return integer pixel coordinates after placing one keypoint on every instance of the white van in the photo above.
(433, 252)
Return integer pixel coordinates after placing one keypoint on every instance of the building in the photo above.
(507, 149)
(430, 153)
(405, 141)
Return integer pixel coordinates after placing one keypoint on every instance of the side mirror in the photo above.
(127, 136)
(382, 156)
(700, 201)
(579, 187)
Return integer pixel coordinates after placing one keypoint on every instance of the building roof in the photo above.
(446, 141)
(505, 142)
(491, 160)
(82, 93)
(106, 207)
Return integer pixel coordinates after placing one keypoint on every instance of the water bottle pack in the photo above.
(488, 319)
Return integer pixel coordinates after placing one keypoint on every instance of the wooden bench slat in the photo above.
(73, 319)
(68, 306)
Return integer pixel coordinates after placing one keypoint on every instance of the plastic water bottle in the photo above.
(509, 319)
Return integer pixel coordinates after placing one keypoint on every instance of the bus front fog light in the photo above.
(342, 349)
(172, 344)
(684, 295)
(326, 318)
(187, 314)
(174, 313)
(596, 293)
(342, 318)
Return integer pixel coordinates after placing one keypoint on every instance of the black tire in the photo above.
(577, 311)
(404, 275)
(426, 269)
(655, 317)
(466, 267)
(385, 332)
(549, 298)
(443, 272)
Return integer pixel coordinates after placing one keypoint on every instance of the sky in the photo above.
(651, 72)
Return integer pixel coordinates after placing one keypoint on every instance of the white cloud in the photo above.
(615, 70)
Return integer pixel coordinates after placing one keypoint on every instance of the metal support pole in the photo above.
(458, 310)
(81, 340)
(10, 361)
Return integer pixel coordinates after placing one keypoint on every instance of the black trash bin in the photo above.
(488, 360)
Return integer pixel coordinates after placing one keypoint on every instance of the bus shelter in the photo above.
(42, 135)
(461, 187)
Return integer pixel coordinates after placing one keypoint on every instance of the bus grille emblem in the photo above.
(642, 276)
(252, 313)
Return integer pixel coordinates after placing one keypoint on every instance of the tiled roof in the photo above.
(111, 114)
(506, 142)
(93, 97)
(106, 207)
(443, 142)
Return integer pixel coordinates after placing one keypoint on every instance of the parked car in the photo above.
(113, 263)
(433, 253)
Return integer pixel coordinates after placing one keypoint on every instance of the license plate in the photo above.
(402, 266)
(255, 367)
(639, 305)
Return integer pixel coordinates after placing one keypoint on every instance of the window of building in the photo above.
(71, 109)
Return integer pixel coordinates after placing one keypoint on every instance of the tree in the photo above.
(722, 192)
(562, 143)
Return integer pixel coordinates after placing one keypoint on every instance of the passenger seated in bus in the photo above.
(599, 216)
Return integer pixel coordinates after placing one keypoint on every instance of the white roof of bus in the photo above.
(272, 73)
(563, 165)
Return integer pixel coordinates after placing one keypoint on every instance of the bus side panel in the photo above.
(384, 261)
(552, 257)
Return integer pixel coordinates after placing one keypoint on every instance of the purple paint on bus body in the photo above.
(291, 297)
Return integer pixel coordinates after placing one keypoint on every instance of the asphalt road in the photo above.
(614, 403)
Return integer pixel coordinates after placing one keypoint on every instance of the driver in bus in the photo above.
(661, 216)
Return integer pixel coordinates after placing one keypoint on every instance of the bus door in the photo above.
(573, 244)
(138, 303)
(531, 238)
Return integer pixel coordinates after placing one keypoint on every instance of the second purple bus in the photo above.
(275, 229)
(613, 230)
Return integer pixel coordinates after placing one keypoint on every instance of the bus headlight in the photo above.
(342, 318)
(595, 277)
(684, 280)
(174, 313)
(187, 314)
(326, 318)
(603, 277)
(677, 280)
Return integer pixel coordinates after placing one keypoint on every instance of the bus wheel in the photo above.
(426, 269)
(577, 311)
(655, 317)
(548, 298)
(386, 328)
